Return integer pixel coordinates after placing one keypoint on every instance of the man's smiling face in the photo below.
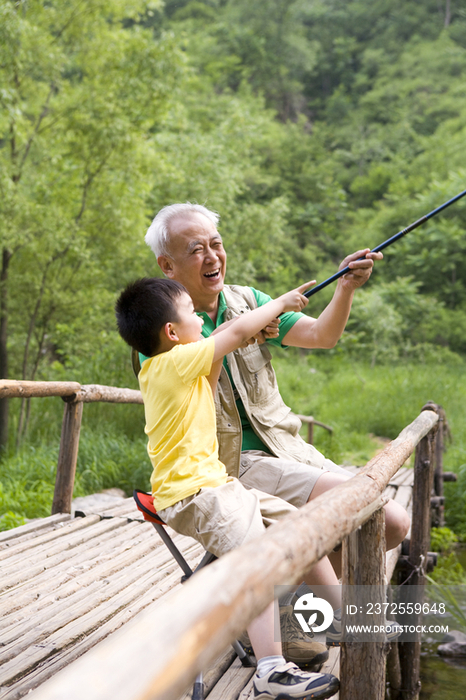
(196, 258)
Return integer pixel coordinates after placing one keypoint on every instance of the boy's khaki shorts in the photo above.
(224, 517)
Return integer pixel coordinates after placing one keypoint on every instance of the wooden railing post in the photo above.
(410, 652)
(363, 560)
(393, 656)
(67, 457)
(438, 511)
(311, 422)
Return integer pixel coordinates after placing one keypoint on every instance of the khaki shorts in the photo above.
(291, 481)
(224, 517)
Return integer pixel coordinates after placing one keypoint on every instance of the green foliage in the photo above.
(442, 539)
(455, 495)
(445, 587)
(367, 406)
(355, 398)
(10, 520)
(80, 93)
(27, 482)
(392, 320)
(448, 570)
(108, 459)
(114, 111)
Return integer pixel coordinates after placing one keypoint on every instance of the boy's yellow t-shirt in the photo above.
(180, 422)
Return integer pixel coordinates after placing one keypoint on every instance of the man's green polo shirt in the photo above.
(250, 440)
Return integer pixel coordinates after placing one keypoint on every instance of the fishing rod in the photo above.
(386, 243)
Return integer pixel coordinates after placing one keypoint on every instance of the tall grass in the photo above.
(362, 403)
(105, 460)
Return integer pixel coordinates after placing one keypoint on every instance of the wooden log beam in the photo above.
(158, 654)
(311, 419)
(404, 565)
(311, 422)
(13, 388)
(436, 501)
(111, 394)
(73, 391)
(450, 476)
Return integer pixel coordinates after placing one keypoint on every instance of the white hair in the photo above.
(158, 233)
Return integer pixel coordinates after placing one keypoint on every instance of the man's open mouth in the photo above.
(212, 275)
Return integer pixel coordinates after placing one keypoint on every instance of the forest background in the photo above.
(314, 127)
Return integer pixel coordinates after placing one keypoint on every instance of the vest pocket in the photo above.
(270, 414)
(255, 357)
(257, 376)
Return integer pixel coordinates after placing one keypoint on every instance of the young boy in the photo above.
(191, 489)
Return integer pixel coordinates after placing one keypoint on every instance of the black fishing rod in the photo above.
(386, 243)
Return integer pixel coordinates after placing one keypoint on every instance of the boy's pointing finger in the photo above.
(305, 286)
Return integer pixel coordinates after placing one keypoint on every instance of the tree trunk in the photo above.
(6, 256)
(447, 13)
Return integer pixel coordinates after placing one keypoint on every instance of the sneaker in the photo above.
(288, 682)
(333, 633)
(298, 646)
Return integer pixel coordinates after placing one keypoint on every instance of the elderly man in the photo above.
(258, 436)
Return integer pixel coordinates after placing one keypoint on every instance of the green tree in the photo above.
(82, 87)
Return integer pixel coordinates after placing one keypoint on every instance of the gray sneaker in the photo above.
(288, 682)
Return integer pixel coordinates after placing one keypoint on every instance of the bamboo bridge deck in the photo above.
(67, 583)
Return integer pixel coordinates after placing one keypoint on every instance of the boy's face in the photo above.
(189, 324)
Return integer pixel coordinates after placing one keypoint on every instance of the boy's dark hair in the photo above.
(143, 309)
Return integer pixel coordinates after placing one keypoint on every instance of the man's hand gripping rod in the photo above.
(386, 243)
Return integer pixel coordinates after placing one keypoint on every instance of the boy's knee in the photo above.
(397, 527)
(404, 526)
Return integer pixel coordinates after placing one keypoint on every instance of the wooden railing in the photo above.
(75, 395)
(310, 421)
(158, 654)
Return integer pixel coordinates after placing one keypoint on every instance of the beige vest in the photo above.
(256, 384)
